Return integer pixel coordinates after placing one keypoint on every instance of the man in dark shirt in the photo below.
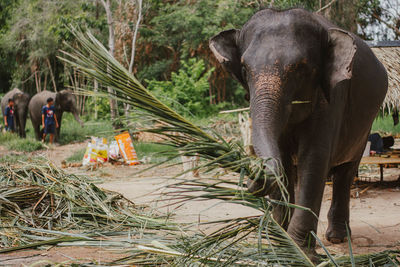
(9, 116)
(49, 120)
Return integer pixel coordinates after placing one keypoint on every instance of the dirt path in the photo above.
(375, 214)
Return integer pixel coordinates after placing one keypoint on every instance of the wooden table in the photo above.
(380, 161)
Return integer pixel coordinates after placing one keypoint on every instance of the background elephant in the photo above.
(21, 101)
(64, 101)
(314, 92)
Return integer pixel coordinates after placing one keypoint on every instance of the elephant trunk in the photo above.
(22, 123)
(267, 123)
(77, 118)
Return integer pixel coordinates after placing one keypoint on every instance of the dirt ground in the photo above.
(375, 212)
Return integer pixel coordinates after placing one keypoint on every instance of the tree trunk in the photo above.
(133, 50)
(96, 88)
(37, 82)
(51, 75)
(45, 82)
(111, 42)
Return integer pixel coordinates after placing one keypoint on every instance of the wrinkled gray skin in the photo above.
(21, 101)
(64, 101)
(293, 55)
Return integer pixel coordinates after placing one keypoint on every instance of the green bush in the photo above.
(7, 137)
(187, 91)
(26, 145)
(72, 131)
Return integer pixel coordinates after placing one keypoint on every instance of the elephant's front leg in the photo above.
(338, 215)
(312, 173)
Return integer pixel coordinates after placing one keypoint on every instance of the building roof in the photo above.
(388, 52)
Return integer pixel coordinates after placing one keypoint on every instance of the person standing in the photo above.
(9, 116)
(49, 120)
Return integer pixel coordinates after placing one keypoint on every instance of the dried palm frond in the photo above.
(38, 195)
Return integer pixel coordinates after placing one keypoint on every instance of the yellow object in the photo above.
(126, 148)
(96, 151)
(101, 149)
(90, 154)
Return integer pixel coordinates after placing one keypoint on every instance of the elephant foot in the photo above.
(312, 255)
(307, 245)
(337, 233)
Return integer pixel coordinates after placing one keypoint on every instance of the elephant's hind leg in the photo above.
(338, 216)
(37, 132)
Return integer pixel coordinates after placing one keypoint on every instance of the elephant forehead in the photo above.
(268, 80)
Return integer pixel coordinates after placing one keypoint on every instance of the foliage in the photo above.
(35, 31)
(188, 88)
(25, 144)
(384, 124)
(379, 20)
(71, 131)
(14, 142)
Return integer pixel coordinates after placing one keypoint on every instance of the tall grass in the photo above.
(77, 156)
(71, 130)
(14, 142)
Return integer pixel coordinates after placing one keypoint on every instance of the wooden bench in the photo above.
(380, 161)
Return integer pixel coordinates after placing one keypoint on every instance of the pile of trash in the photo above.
(120, 150)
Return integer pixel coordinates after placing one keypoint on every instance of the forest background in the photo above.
(163, 42)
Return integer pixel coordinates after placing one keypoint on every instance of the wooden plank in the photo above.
(234, 110)
(379, 160)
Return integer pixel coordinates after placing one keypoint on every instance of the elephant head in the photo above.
(21, 101)
(288, 63)
(66, 101)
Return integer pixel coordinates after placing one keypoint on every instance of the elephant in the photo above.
(21, 101)
(64, 101)
(314, 91)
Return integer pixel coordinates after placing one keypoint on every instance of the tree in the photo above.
(379, 20)
(36, 30)
(111, 47)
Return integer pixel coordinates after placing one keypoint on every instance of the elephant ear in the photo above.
(340, 58)
(224, 47)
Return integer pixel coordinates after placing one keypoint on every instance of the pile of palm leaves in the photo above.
(257, 240)
(37, 199)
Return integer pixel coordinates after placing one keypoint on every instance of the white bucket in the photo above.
(367, 149)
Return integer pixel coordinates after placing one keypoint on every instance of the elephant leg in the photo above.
(338, 216)
(281, 213)
(37, 132)
(17, 125)
(312, 172)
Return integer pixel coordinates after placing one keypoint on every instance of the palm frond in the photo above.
(38, 195)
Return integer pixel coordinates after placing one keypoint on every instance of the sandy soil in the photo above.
(375, 213)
